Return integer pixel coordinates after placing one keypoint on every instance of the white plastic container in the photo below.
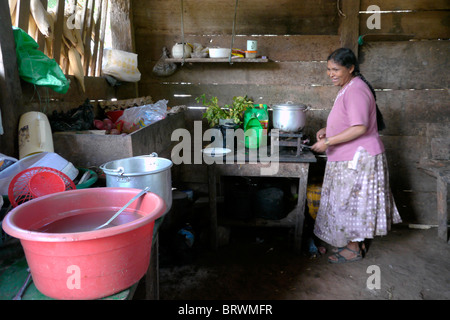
(35, 134)
(219, 52)
(43, 159)
(252, 45)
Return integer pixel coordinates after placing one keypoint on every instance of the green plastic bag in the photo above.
(35, 67)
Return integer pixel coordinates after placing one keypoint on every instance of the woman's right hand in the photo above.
(321, 134)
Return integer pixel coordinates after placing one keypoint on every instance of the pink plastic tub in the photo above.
(90, 264)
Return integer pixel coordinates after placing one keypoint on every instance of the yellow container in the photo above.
(313, 192)
(35, 134)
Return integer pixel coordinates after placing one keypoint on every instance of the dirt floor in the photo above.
(259, 263)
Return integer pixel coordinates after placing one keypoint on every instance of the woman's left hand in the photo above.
(319, 146)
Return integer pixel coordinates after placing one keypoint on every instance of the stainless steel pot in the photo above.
(289, 117)
(141, 172)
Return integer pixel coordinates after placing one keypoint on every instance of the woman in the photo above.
(356, 201)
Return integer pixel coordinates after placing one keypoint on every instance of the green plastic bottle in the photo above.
(256, 119)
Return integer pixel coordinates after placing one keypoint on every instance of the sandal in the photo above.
(342, 259)
(362, 247)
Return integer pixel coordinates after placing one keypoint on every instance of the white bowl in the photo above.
(219, 52)
(216, 152)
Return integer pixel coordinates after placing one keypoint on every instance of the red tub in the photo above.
(90, 264)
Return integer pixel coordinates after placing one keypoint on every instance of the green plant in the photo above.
(214, 112)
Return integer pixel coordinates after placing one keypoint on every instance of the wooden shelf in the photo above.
(209, 60)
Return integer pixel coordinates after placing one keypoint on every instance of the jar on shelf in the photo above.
(177, 50)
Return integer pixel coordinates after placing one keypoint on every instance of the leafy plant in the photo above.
(214, 112)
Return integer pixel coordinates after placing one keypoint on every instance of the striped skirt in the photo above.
(356, 201)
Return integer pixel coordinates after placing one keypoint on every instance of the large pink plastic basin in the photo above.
(91, 264)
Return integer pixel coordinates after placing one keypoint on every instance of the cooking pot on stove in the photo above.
(289, 117)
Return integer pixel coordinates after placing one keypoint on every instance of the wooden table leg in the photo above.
(212, 204)
(442, 208)
(301, 201)
(152, 276)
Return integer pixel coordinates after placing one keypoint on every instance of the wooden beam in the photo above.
(41, 37)
(22, 14)
(349, 26)
(58, 31)
(93, 62)
(11, 104)
(122, 33)
(88, 21)
(122, 30)
(102, 37)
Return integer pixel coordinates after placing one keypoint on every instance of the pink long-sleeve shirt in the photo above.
(354, 105)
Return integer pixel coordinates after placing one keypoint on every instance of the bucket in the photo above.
(269, 203)
(313, 192)
(35, 134)
(92, 178)
(90, 264)
(141, 172)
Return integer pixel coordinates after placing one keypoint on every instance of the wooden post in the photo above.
(349, 27)
(22, 14)
(122, 30)
(212, 205)
(58, 31)
(442, 207)
(11, 104)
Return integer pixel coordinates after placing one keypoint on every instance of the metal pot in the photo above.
(141, 172)
(289, 117)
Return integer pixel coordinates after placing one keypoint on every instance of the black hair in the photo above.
(346, 58)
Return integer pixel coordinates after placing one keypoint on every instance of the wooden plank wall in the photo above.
(404, 60)
(413, 94)
(297, 36)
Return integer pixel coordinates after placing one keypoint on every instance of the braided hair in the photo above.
(345, 57)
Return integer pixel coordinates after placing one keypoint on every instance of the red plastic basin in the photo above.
(91, 264)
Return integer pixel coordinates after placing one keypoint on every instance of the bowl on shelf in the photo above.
(219, 52)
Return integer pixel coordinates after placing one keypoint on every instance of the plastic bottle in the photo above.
(256, 119)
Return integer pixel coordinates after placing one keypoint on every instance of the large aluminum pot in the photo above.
(289, 117)
(141, 172)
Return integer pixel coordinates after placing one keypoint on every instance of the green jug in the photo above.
(256, 119)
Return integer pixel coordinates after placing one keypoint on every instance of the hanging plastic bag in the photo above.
(163, 68)
(121, 65)
(35, 67)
